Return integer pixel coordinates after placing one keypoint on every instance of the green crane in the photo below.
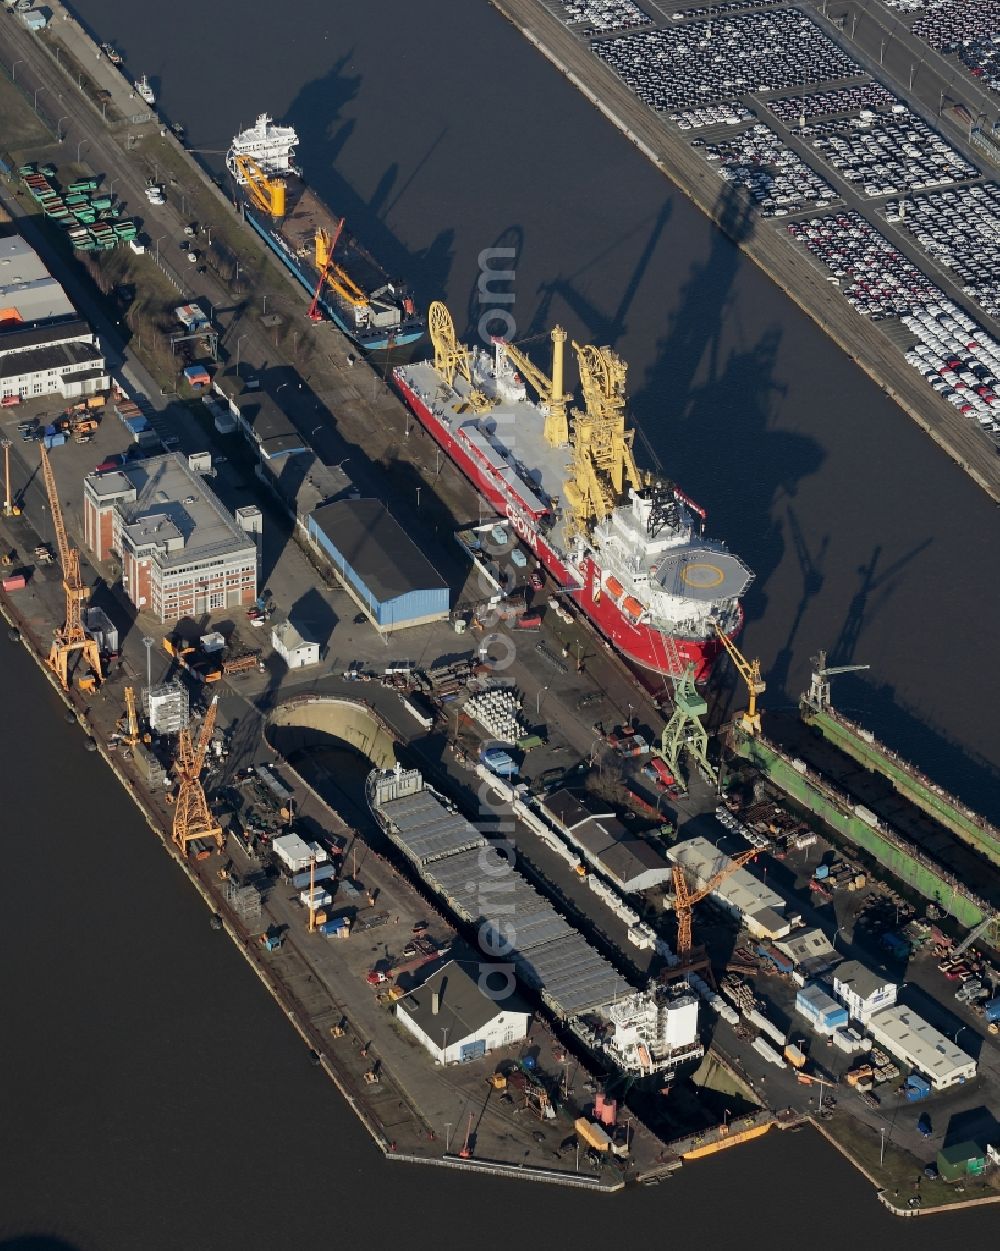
(685, 731)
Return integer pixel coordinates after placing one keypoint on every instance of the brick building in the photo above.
(182, 553)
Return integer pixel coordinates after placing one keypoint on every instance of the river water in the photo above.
(155, 1097)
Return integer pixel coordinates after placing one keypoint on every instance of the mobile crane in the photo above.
(71, 637)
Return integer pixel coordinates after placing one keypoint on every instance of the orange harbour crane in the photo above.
(71, 637)
(193, 818)
(685, 898)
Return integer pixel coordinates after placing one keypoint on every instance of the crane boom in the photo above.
(749, 671)
(330, 273)
(267, 194)
(133, 720)
(685, 898)
(192, 816)
(550, 390)
(818, 695)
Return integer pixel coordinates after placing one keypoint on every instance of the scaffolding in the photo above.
(244, 900)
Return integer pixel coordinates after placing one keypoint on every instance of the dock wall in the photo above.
(830, 805)
(936, 802)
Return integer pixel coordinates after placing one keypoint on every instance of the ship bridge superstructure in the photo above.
(270, 146)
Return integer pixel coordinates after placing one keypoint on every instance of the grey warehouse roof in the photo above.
(861, 979)
(377, 548)
(483, 887)
(463, 1009)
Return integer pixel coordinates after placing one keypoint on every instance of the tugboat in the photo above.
(114, 57)
(145, 91)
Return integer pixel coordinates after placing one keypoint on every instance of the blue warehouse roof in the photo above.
(376, 547)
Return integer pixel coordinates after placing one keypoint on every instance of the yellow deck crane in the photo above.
(603, 461)
(549, 390)
(452, 358)
(331, 275)
(749, 671)
(193, 818)
(10, 509)
(71, 637)
(267, 194)
(685, 899)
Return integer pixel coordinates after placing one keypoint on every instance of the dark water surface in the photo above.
(154, 1096)
(439, 132)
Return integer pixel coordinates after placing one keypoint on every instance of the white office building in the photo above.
(862, 991)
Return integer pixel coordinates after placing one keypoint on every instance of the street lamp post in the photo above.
(447, 1136)
(78, 147)
(418, 499)
(538, 699)
(264, 313)
(13, 69)
(159, 239)
(59, 136)
(881, 1154)
(38, 92)
(239, 344)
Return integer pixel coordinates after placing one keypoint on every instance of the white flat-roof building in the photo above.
(454, 1016)
(919, 1045)
(761, 909)
(862, 991)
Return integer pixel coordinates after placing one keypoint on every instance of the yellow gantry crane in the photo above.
(749, 671)
(267, 194)
(193, 818)
(71, 637)
(549, 390)
(685, 898)
(603, 460)
(452, 358)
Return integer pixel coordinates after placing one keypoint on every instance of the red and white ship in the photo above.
(629, 548)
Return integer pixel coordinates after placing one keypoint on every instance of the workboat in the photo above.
(109, 51)
(345, 282)
(145, 91)
(628, 548)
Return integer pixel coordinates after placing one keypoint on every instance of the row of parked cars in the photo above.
(838, 102)
(959, 360)
(704, 61)
(960, 229)
(778, 180)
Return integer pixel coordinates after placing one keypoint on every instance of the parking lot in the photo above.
(598, 17)
(778, 181)
(960, 229)
(705, 61)
(882, 154)
(797, 110)
(969, 30)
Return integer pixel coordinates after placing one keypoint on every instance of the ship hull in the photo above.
(641, 645)
(306, 273)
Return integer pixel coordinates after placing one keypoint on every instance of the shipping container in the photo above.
(13, 582)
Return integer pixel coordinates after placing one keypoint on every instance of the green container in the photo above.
(48, 170)
(77, 198)
(84, 184)
(25, 170)
(101, 201)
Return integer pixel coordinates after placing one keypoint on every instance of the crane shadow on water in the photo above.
(317, 115)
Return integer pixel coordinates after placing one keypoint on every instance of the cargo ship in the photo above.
(628, 548)
(343, 279)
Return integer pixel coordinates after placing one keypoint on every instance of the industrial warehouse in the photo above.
(182, 553)
(632, 864)
(45, 347)
(384, 571)
(760, 909)
(641, 1032)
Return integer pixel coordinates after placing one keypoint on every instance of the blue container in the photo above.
(822, 871)
(992, 1010)
(335, 927)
